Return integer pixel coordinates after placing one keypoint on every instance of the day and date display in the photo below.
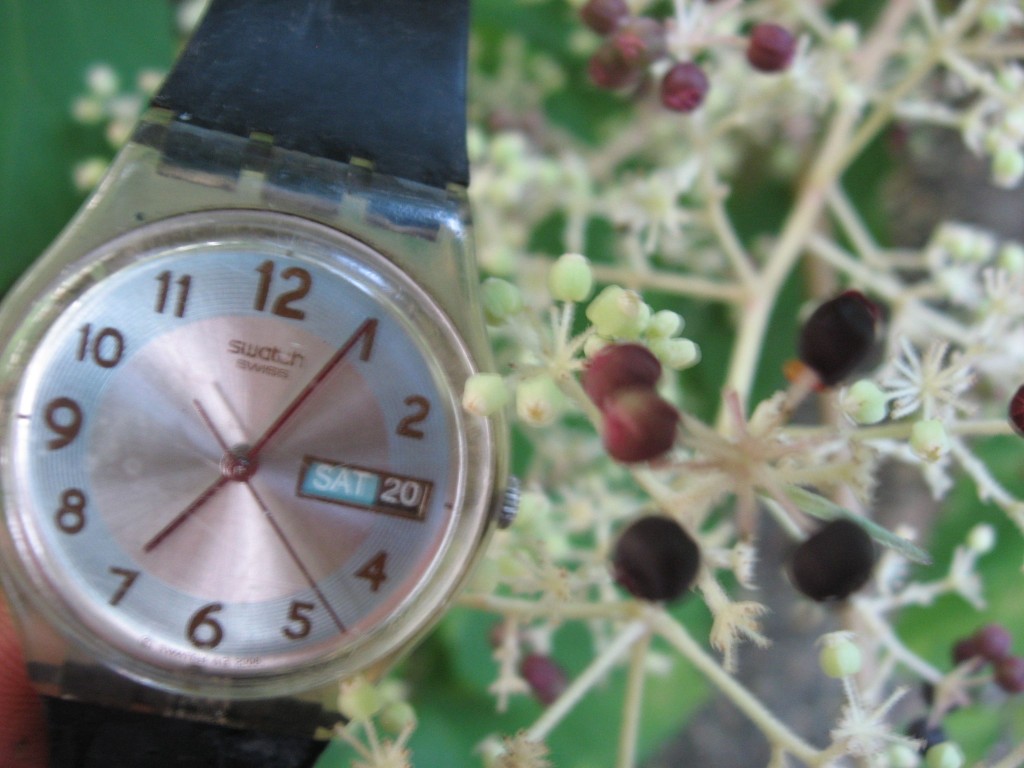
(352, 485)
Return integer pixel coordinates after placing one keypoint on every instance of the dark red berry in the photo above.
(770, 48)
(655, 559)
(639, 41)
(833, 563)
(617, 366)
(638, 425)
(965, 650)
(607, 69)
(1009, 674)
(928, 735)
(1017, 411)
(546, 679)
(684, 87)
(993, 642)
(838, 336)
(603, 16)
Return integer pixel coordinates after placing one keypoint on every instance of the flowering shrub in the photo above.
(695, 179)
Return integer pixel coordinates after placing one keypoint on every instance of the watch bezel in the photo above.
(478, 462)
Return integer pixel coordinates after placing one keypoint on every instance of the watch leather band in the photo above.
(84, 735)
(378, 80)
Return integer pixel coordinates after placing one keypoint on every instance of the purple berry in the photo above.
(838, 336)
(546, 679)
(618, 366)
(993, 642)
(1017, 411)
(684, 87)
(771, 48)
(607, 69)
(833, 563)
(1009, 674)
(655, 559)
(603, 16)
(638, 425)
(639, 41)
(965, 650)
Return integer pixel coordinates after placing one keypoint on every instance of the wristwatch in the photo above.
(235, 468)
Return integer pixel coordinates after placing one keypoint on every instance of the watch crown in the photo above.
(509, 503)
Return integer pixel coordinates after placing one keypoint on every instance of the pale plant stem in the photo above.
(632, 706)
(801, 221)
(883, 110)
(774, 729)
(586, 680)
(884, 633)
(523, 609)
(681, 285)
(900, 430)
(723, 228)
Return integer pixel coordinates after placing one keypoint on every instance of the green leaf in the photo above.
(823, 509)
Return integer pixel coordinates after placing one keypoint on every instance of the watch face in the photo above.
(234, 450)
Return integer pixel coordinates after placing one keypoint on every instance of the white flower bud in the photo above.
(102, 80)
(928, 439)
(571, 278)
(484, 394)
(865, 402)
(397, 716)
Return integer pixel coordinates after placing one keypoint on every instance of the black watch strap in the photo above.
(84, 735)
(377, 80)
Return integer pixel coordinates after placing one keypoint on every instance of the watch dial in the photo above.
(242, 453)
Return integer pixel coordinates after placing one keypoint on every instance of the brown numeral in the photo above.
(65, 427)
(107, 348)
(282, 305)
(421, 409)
(128, 578)
(301, 625)
(184, 283)
(70, 518)
(375, 570)
(204, 631)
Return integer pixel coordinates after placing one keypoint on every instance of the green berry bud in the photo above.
(593, 345)
(359, 700)
(501, 300)
(619, 313)
(571, 278)
(1007, 166)
(840, 657)
(902, 756)
(484, 394)
(397, 716)
(865, 402)
(945, 755)
(996, 19)
(676, 354)
(1011, 258)
(664, 324)
(981, 538)
(928, 439)
(538, 400)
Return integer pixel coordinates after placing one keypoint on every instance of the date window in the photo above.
(353, 486)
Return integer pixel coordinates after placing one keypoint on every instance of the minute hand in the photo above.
(364, 332)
